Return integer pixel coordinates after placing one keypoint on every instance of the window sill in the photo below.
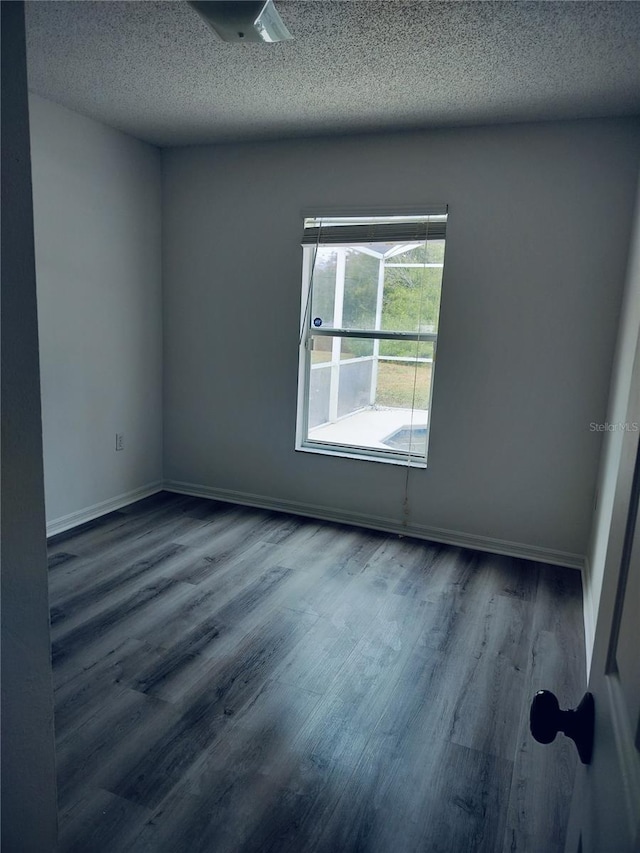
(363, 456)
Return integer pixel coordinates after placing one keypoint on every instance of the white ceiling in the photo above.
(155, 70)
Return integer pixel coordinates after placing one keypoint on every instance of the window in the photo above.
(370, 309)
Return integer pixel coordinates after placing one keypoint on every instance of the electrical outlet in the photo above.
(119, 441)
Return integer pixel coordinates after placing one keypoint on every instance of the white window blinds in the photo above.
(326, 230)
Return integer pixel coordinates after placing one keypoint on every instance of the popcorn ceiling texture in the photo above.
(156, 71)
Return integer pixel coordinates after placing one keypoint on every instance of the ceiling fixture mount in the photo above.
(243, 20)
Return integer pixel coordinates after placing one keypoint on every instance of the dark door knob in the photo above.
(546, 720)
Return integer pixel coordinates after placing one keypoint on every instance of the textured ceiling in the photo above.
(155, 70)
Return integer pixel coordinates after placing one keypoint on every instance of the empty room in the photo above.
(320, 418)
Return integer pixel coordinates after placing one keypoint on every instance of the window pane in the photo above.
(319, 387)
(350, 286)
(361, 398)
(360, 290)
(323, 283)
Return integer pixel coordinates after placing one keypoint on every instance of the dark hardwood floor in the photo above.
(231, 679)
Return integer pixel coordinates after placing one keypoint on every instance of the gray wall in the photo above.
(537, 243)
(97, 213)
(28, 763)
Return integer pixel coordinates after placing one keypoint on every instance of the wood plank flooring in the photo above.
(230, 679)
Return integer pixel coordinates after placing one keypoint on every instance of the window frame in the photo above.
(307, 332)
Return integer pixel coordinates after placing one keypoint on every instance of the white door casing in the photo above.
(605, 811)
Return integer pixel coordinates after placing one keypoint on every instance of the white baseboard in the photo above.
(589, 614)
(374, 522)
(66, 522)
(434, 534)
